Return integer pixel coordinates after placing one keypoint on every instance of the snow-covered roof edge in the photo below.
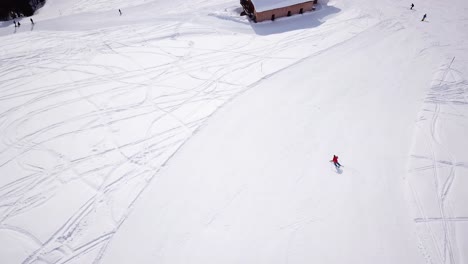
(263, 5)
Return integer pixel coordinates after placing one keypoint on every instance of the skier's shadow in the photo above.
(339, 170)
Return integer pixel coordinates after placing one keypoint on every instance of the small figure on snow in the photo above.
(424, 17)
(19, 24)
(14, 22)
(412, 5)
(335, 161)
(120, 12)
(32, 22)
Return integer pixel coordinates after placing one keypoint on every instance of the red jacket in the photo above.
(335, 159)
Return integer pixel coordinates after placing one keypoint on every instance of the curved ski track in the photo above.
(102, 111)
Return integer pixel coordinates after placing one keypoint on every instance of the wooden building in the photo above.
(261, 10)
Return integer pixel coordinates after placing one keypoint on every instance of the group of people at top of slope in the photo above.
(18, 24)
(425, 15)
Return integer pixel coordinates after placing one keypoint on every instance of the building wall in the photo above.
(282, 12)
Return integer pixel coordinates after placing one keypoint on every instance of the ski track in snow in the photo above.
(445, 103)
(91, 116)
(127, 116)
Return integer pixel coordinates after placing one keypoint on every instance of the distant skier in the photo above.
(14, 22)
(424, 17)
(32, 22)
(335, 161)
(412, 5)
(120, 12)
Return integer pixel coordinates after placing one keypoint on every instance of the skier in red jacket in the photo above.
(335, 161)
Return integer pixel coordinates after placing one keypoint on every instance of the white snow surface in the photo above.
(263, 5)
(181, 132)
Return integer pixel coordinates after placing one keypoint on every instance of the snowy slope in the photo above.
(110, 152)
(272, 188)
